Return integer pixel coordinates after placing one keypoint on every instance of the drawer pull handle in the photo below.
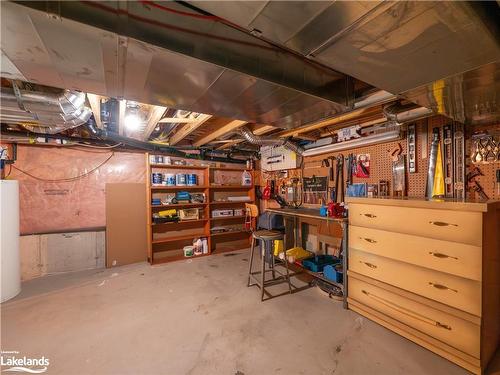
(404, 310)
(442, 287)
(371, 216)
(368, 264)
(442, 224)
(441, 255)
(368, 240)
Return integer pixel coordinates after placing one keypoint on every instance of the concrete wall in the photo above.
(47, 254)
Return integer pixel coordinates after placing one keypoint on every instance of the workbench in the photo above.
(312, 213)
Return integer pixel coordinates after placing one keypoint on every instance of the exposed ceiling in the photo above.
(305, 67)
(135, 51)
(440, 54)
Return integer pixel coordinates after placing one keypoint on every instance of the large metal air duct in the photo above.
(44, 112)
(269, 140)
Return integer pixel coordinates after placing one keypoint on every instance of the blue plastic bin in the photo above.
(334, 273)
(317, 263)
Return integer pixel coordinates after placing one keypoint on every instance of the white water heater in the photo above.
(9, 245)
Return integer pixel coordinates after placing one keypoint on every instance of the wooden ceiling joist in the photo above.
(217, 132)
(188, 129)
(178, 120)
(95, 105)
(154, 116)
(331, 121)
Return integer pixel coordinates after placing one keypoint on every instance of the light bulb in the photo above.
(132, 122)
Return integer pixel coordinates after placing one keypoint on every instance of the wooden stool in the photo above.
(267, 238)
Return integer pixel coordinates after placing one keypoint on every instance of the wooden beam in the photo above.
(328, 122)
(178, 120)
(305, 137)
(154, 116)
(95, 105)
(188, 129)
(231, 125)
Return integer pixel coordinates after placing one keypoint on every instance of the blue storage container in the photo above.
(334, 273)
(317, 263)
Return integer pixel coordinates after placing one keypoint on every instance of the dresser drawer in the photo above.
(463, 294)
(458, 333)
(457, 226)
(446, 256)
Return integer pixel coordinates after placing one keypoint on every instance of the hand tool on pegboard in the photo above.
(412, 148)
(448, 160)
(459, 160)
(431, 172)
(476, 186)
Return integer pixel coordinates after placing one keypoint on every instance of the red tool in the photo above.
(336, 210)
(266, 193)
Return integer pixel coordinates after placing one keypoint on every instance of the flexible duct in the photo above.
(269, 141)
(43, 112)
(405, 113)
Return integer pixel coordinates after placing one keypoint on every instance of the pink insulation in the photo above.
(46, 206)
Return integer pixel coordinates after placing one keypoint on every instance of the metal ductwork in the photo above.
(269, 140)
(405, 113)
(171, 55)
(443, 55)
(44, 112)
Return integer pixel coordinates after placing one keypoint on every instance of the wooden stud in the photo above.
(188, 129)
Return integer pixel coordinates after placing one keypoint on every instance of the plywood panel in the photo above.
(125, 223)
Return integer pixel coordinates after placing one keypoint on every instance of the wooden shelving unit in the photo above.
(160, 241)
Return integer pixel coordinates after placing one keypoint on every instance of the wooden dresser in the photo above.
(429, 271)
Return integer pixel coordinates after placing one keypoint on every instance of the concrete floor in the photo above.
(198, 317)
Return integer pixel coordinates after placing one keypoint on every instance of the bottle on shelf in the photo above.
(246, 178)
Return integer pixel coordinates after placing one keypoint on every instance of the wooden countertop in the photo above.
(311, 213)
(440, 204)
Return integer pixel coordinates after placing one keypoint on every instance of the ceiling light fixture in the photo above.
(132, 122)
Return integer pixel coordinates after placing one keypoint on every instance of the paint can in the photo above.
(188, 251)
(169, 179)
(156, 178)
(180, 179)
(192, 179)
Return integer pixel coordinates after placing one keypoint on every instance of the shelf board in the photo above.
(166, 206)
(171, 166)
(231, 187)
(228, 217)
(163, 187)
(234, 202)
(180, 222)
(229, 169)
(179, 238)
(230, 232)
(177, 257)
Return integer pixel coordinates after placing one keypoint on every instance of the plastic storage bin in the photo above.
(317, 263)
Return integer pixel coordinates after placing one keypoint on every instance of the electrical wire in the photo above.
(69, 179)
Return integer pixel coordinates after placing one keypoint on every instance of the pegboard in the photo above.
(381, 161)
